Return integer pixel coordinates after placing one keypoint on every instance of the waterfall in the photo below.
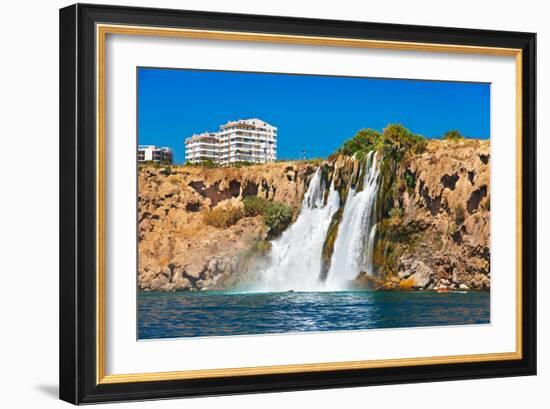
(294, 261)
(354, 244)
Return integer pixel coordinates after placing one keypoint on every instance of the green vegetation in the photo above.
(410, 181)
(277, 216)
(254, 206)
(363, 142)
(453, 136)
(394, 238)
(210, 164)
(397, 141)
(223, 218)
(205, 163)
(394, 142)
(395, 145)
(330, 240)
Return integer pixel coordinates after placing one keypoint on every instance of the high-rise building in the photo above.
(244, 140)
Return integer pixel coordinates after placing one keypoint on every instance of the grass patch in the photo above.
(223, 218)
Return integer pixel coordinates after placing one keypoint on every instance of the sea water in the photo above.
(209, 313)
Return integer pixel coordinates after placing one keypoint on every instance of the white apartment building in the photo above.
(244, 140)
(203, 146)
(150, 153)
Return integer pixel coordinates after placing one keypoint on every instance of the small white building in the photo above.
(244, 140)
(151, 153)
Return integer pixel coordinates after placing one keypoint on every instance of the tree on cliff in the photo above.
(395, 141)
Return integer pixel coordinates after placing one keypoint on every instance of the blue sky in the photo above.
(313, 113)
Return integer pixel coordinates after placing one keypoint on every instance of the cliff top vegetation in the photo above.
(395, 141)
(452, 135)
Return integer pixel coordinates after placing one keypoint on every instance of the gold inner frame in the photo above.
(101, 33)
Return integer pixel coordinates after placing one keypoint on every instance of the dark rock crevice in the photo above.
(432, 203)
(249, 189)
(475, 198)
(193, 206)
(484, 159)
(449, 181)
(214, 193)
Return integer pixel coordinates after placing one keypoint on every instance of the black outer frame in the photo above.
(78, 197)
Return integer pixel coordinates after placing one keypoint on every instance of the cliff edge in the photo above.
(432, 221)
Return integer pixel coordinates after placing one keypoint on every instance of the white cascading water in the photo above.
(294, 261)
(354, 243)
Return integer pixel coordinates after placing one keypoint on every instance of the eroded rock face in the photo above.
(177, 249)
(416, 276)
(449, 212)
(440, 241)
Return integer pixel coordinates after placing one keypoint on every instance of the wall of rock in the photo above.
(177, 250)
(434, 235)
(442, 220)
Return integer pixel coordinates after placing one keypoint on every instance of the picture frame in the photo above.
(83, 181)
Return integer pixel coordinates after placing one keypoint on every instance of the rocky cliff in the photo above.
(437, 234)
(178, 250)
(432, 218)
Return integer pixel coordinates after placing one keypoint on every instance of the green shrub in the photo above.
(365, 140)
(398, 141)
(453, 135)
(254, 206)
(223, 218)
(277, 216)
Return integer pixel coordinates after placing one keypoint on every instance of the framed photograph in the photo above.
(257, 203)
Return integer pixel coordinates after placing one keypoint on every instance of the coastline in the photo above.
(442, 195)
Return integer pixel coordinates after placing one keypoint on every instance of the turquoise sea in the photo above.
(209, 313)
